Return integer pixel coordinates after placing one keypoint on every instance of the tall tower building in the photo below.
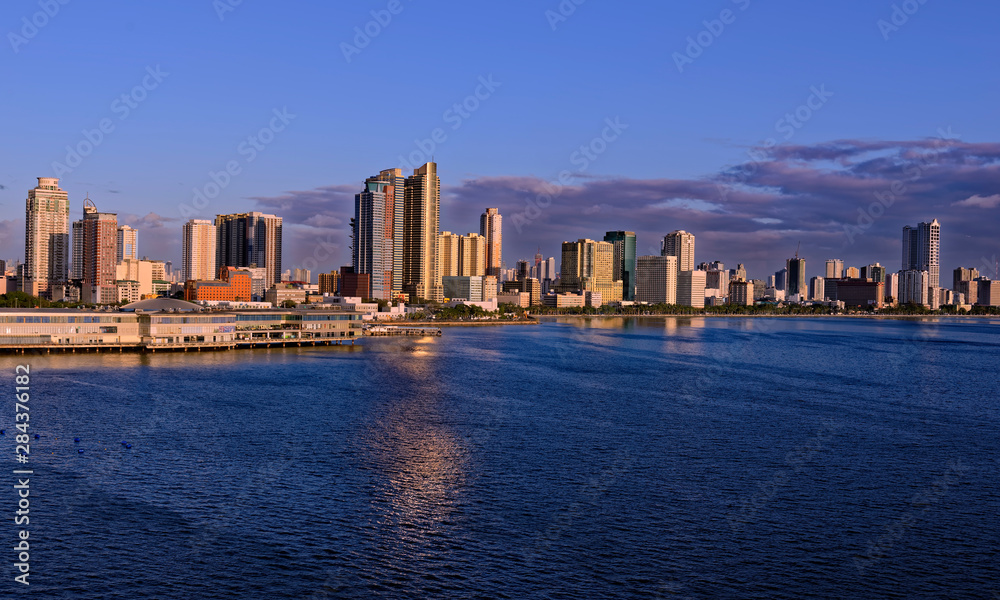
(198, 252)
(834, 268)
(796, 278)
(250, 239)
(46, 238)
(77, 269)
(624, 260)
(680, 244)
(448, 254)
(922, 250)
(373, 244)
(421, 222)
(491, 228)
(128, 239)
(100, 251)
(589, 266)
(395, 193)
(472, 253)
(656, 279)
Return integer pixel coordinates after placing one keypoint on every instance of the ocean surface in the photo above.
(580, 458)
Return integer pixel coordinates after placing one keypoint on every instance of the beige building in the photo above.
(680, 244)
(472, 250)
(421, 223)
(741, 292)
(128, 243)
(249, 240)
(691, 289)
(656, 279)
(491, 228)
(46, 238)
(448, 255)
(588, 265)
(198, 250)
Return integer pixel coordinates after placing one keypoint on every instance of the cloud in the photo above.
(980, 201)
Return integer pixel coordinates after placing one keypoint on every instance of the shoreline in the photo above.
(765, 316)
(463, 323)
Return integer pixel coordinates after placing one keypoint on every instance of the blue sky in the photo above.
(224, 73)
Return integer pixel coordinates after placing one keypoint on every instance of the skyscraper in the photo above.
(922, 250)
(448, 254)
(77, 269)
(624, 260)
(874, 272)
(198, 253)
(395, 192)
(796, 278)
(491, 228)
(372, 250)
(421, 222)
(589, 266)
(680, 244)
(472, 250)
(46, 238)
(100, 249)
(128, 239)
(656, 279)
(249, 239)
(834, 268)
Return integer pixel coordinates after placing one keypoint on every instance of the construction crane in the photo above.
(797, 248)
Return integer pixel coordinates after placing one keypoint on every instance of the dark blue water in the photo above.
(658, 458)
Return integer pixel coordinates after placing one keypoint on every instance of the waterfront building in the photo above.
(922, 250)
(198, 250)
(372, 236)
(796, 280)
(961, 279)
(656, 279)
(280, 293)
(892, 286)
(741, 292)
(521, 299)
(680, 244)
(873, 272)
(354, 284)
(781, 280)
(448, 255)
(247, 239)
(691, 289)
(421, 221)
(127, 244)
(624, 261)
(914, 287)
(817, 288)
(233, 285)
(394, 216)
(861, 293)
(564, 300)
(464, 288)
(589, 266)
(489, 288)
(834, 268)
(100, 247)
(491, 228)
(329, 283)
(988, 292)
(46, 238)
(472, 255)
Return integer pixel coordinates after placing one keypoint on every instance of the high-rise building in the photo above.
(491, 228)
(741, 292)
(198, 252)
(892, 286)
(421, 222)
(781, 280)
(738, 274)
(76, 272)
(796, 280)
(46, 238)
(302, 275)
(656, 279)
(834, 268)
(988, 293)
(914, 287)
(395, 193)
(472, 252)
(523, 270)
(680, 244)
(589, 266)
(329, 283)
(100, 249)
(691, 289)
(817, 288)
(852, 273)
(448, 255)
(372, 245)
(962, 274)
(128, 239)
(249, 239)
(624, 260)
(874, 272)
(922, 250)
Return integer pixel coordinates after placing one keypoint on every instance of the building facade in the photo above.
(198, 255)
(680, 244)
(128, 244)
(100, 249)
(46, 238)
(656, 279)
(491, 228)
(421, 223)
(624, 264)
(922, 250)
(250, 240)
(372, 247)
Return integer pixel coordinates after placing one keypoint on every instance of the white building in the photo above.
(691, 289)
(198, 250)
(656, 279)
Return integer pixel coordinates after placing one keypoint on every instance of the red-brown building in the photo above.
(355, 285)
(233, 285)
